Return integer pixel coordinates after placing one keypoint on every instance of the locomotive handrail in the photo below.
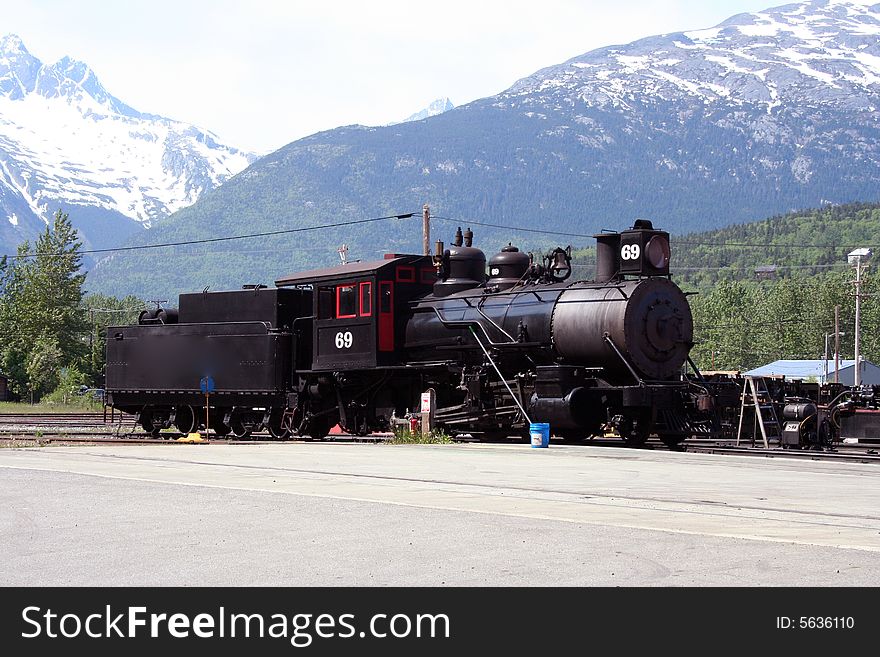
(469, 323)
(501, 376)
(638, 379)
(623, 296)
(487, 318)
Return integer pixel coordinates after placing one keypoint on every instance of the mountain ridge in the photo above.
(435, 107)
(66, 142)
(763, 114)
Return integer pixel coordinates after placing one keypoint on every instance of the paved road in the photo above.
(332, 514)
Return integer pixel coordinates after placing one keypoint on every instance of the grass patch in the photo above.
(403, 436)
(82, 405)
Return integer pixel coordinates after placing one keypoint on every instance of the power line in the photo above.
(408, 215)
(673, 240)
(515, 228)
(770, 245)
(219, 239)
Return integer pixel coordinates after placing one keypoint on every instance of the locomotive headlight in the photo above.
(657, 252)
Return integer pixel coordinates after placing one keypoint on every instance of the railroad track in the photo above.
(72, 420)
(60, 437)
(90, 428)
(859, 453)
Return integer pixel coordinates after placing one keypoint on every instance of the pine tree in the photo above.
(42, 326)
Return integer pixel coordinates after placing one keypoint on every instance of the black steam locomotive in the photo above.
(357, 344)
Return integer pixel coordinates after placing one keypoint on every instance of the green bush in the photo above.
(70, 380)
(403, 436)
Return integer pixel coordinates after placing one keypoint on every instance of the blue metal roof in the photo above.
(799, 369)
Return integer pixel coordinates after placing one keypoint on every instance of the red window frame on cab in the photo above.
(339, 288)
(409, 271)
(368, 287)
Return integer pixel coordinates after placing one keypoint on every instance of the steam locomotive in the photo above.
(357, 344)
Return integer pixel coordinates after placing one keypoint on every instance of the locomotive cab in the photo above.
(359, 309)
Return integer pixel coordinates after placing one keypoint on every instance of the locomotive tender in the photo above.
(357, 344)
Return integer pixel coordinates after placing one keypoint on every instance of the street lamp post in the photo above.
(857, 257)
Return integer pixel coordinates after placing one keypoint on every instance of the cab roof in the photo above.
(350, 270)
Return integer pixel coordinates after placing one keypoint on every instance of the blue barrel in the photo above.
(540, 433)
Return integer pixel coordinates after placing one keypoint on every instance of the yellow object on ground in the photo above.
(191, 438)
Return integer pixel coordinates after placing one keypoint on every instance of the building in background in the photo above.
(814, 370)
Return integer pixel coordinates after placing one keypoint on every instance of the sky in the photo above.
(263, 73)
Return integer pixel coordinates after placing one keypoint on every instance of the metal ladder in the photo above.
(756, 396)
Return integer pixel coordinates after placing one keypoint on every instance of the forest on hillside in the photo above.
(767, 290)
(52, 330)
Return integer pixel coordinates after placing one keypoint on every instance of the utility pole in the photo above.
(855, 258)
(92, 338)
(426, 230)
(836, 344)
(858, 375)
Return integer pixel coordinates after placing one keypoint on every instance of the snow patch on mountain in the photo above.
(823, 49)
(67, 142)
(438, 106)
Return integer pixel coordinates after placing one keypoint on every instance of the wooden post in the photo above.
(429, 402)
(92, 338)
(836, 344)
(426, 230)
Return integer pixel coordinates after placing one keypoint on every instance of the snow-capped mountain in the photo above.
(436, 107)
(65, 142)
(766, 113)
(782, 78)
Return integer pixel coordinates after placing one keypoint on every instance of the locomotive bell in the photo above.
(507, 268)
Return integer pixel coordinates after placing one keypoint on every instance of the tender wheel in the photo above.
(277, 427)
(217, 426)
(239, 430)
(185, 420)
(149, 426)
(278, 432)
